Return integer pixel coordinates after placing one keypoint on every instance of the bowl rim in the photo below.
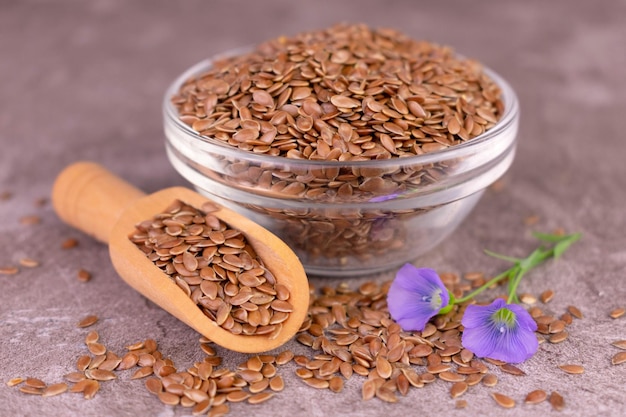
(509, 117)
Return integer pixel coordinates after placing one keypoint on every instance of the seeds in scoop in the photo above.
(503, 400)
(88, 321)
(618, 358)
(617, 313)
(536, 396)
(572, 369)
(216, 267)
(557, 401)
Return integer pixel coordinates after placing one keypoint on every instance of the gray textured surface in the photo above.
(84, 80)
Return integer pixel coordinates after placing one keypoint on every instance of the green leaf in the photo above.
(549, 237)
(562, 246)
(503, 257)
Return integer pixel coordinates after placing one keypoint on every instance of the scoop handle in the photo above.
(90, 198)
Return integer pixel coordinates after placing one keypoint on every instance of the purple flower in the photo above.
(499, 331)
(415, 296)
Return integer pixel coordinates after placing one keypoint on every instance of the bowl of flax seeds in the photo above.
(361, 148)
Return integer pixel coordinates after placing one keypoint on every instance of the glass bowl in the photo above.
(391, 212)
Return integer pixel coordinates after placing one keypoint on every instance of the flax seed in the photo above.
(503, 400)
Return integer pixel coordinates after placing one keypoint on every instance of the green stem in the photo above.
(486, 285)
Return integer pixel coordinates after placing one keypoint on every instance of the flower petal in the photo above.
(410, 297)
(485, 336)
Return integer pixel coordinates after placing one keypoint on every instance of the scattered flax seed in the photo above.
(29, 262)
(490, 380)
(531, 220)
(35, 383)
(511, 369)
(458, 389)
(31, 390)
(558, 337)
(572, 369)
(618, 358)
(69, 243)
(6, 195)
(546, 296)
(528, 298)
(14, 381)
(88, 321)
(617, 313)
(83, 275)
(574, 311)
(54, 389)
(621, 344)
(536, 396)
(503, 400)
(460, 404)
(30, 220)
(41, 202)
(557, 401)
(9, 270)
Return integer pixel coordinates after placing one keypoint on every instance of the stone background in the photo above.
(85, 79)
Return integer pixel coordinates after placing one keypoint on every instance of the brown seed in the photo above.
(536, 396)
(316, 383)
(383, 367)
(91, 388)
(54, 389)
(219, 410)
(335, 384)
(88, 321)
(9, 270)
(168, 398)
(618, 358)
(503, 400)
(458, 389)
(29, 262)
(621, 344)
(260, 397)
(511, 369)
(284, 357)
(490, 380)
(617, 313)
(546, 296)
(386, 395)
(142, 372)
(30, 390)
(30, 220)
(100, 374)
(14, 381)
(558, 337)
(574, 311)
(83, 362)
(277, 383)
(97, 348)
(92, 337)
(75, 376)
(83, 275)
(451, 376)
(69, 243)
(128, 361)
(368, 390)
(237, 396)
(154, 385)
(572, 369)
(35, 383)
(460, 404)
(557, 401)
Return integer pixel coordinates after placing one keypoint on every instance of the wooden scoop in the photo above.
(92, 199)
